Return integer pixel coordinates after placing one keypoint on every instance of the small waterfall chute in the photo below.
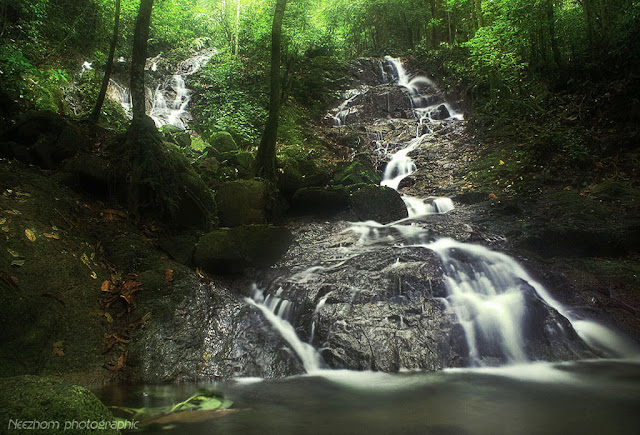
(276, 311)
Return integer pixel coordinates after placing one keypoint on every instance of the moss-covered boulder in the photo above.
(176, 135)
(324, 201)
(208, 168)
(223, 142)
(231, 250)
(243, 202)
(241, 161)
(357, 172)
(43, 138)
(378, 203)
(52, 406)
(298, 171)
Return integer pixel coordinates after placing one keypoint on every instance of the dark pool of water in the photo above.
(587, 397)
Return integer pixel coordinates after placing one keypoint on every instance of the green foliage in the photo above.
(230, 96)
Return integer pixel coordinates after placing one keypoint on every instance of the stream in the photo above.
(401, 328)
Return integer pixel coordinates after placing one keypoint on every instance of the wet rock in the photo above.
(32, 398)
(225, 337)
(232, 250)
(223, 142)
(440, 113)
(378, 203)
(243, 202)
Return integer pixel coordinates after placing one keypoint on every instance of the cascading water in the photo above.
(506, 316)
(276, 311)
(171, 97)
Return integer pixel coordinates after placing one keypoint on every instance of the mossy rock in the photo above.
(42, 138)
(242, 161)
(324, 201)
(176, 135)
(243, 202)
(300, 171)
(378, 203)
(51, 402)
(208, 167)
(179, 247)
(357, 172)
(223, 142)
(94, 174)
(231, 250)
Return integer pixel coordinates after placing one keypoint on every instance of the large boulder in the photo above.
(231, 250)
(56, 406)
(176, 135)
(324, 201)
(243, 202)
(378, 203)
(299, 171)
(42, 138)
(241, 161)
(223, 142)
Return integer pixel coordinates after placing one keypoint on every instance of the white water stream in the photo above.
(171, 97)
(486, 289)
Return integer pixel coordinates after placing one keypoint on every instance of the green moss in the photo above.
(162, 183)
(243, 202)
(223, 142)
(27, 398)
(356, 173)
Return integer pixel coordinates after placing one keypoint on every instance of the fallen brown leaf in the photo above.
(30, 235)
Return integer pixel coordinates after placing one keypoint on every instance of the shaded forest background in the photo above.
(556, 79)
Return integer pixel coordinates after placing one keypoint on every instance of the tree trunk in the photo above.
(478, 9)
(266, 157)
(95, 115)
(139, 58)
(552, 33)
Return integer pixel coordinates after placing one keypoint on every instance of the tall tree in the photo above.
(95, 115)
(478, 9)
(139, 58)
(265, 165)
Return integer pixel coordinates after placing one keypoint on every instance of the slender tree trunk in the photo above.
(478, 9)
(266, 157)
(551, 18)
(139, 58)
(237, 29)
(95, 115)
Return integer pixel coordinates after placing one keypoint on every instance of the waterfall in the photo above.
(173, 90)
(276, 311)
(401, 165)
(505, 315)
